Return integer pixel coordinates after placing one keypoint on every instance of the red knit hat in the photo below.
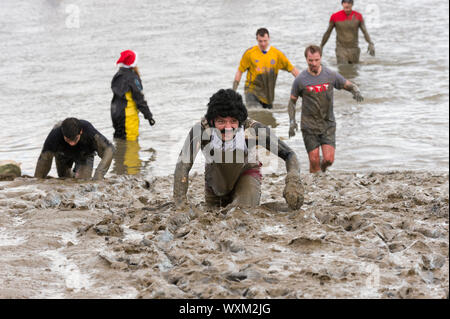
(128, 59)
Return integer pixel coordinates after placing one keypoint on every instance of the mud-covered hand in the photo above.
(356, 93)
(292, 128)
(151, 121)
(293, 191)
(371, 49)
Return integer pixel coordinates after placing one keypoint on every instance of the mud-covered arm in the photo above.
(291, 108)
(363, 28)
(327, 34)
(44, 164)
(354, 89)
(106, 152)
(139, 98)
(291, 111)
(293, 191)
(185, 161)
(267, 139)
(371, 48)
(237, 79)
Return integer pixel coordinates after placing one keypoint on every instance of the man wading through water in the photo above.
(315, 86)
(262, 63)
(228, 140)
(347, 23)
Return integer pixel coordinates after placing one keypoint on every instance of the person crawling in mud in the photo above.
(228, 140)
(347, 23)
(75, 141)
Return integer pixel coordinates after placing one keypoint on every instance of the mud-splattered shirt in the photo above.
(263, 71)
(317, 98)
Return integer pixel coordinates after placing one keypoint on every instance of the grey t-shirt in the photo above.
(317, 99)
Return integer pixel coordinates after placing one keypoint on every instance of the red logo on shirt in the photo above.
(318, 88)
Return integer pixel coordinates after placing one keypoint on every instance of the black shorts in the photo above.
(313, 141)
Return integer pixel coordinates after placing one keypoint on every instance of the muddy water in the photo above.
(61, 58)
(377, 235)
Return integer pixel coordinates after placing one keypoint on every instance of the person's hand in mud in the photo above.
(293, 191)
(292, 128)
(151, 121)
(371, 49)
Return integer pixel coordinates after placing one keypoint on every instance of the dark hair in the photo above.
(262, 31)
(71, 127)
(313, 49)
(351, 1)
(226, 103)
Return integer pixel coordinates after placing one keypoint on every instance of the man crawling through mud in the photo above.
(228, 140)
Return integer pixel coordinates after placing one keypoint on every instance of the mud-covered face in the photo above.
(347, 7)
(74, 141)
(227, 126)
(314, 61)
(263, 42)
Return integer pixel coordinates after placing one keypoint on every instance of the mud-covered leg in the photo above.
(84, 170)
(214, 201)
(247, 192)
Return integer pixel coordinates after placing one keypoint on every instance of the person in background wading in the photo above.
(128, 98)
(262, 63)
(315, 86)
(228, 140)
(347, 23)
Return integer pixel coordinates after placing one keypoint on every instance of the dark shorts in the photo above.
(251, 100)
(313, 141)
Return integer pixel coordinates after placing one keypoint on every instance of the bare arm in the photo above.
(237, 79)
(295, 72)
(327, 34)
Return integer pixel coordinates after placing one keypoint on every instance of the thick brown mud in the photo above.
(375, 235)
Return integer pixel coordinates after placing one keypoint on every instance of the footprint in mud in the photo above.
(229, 246)
(349, 223)
(323, 275)
(306, 244)
(371, 253)
(432, 262)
